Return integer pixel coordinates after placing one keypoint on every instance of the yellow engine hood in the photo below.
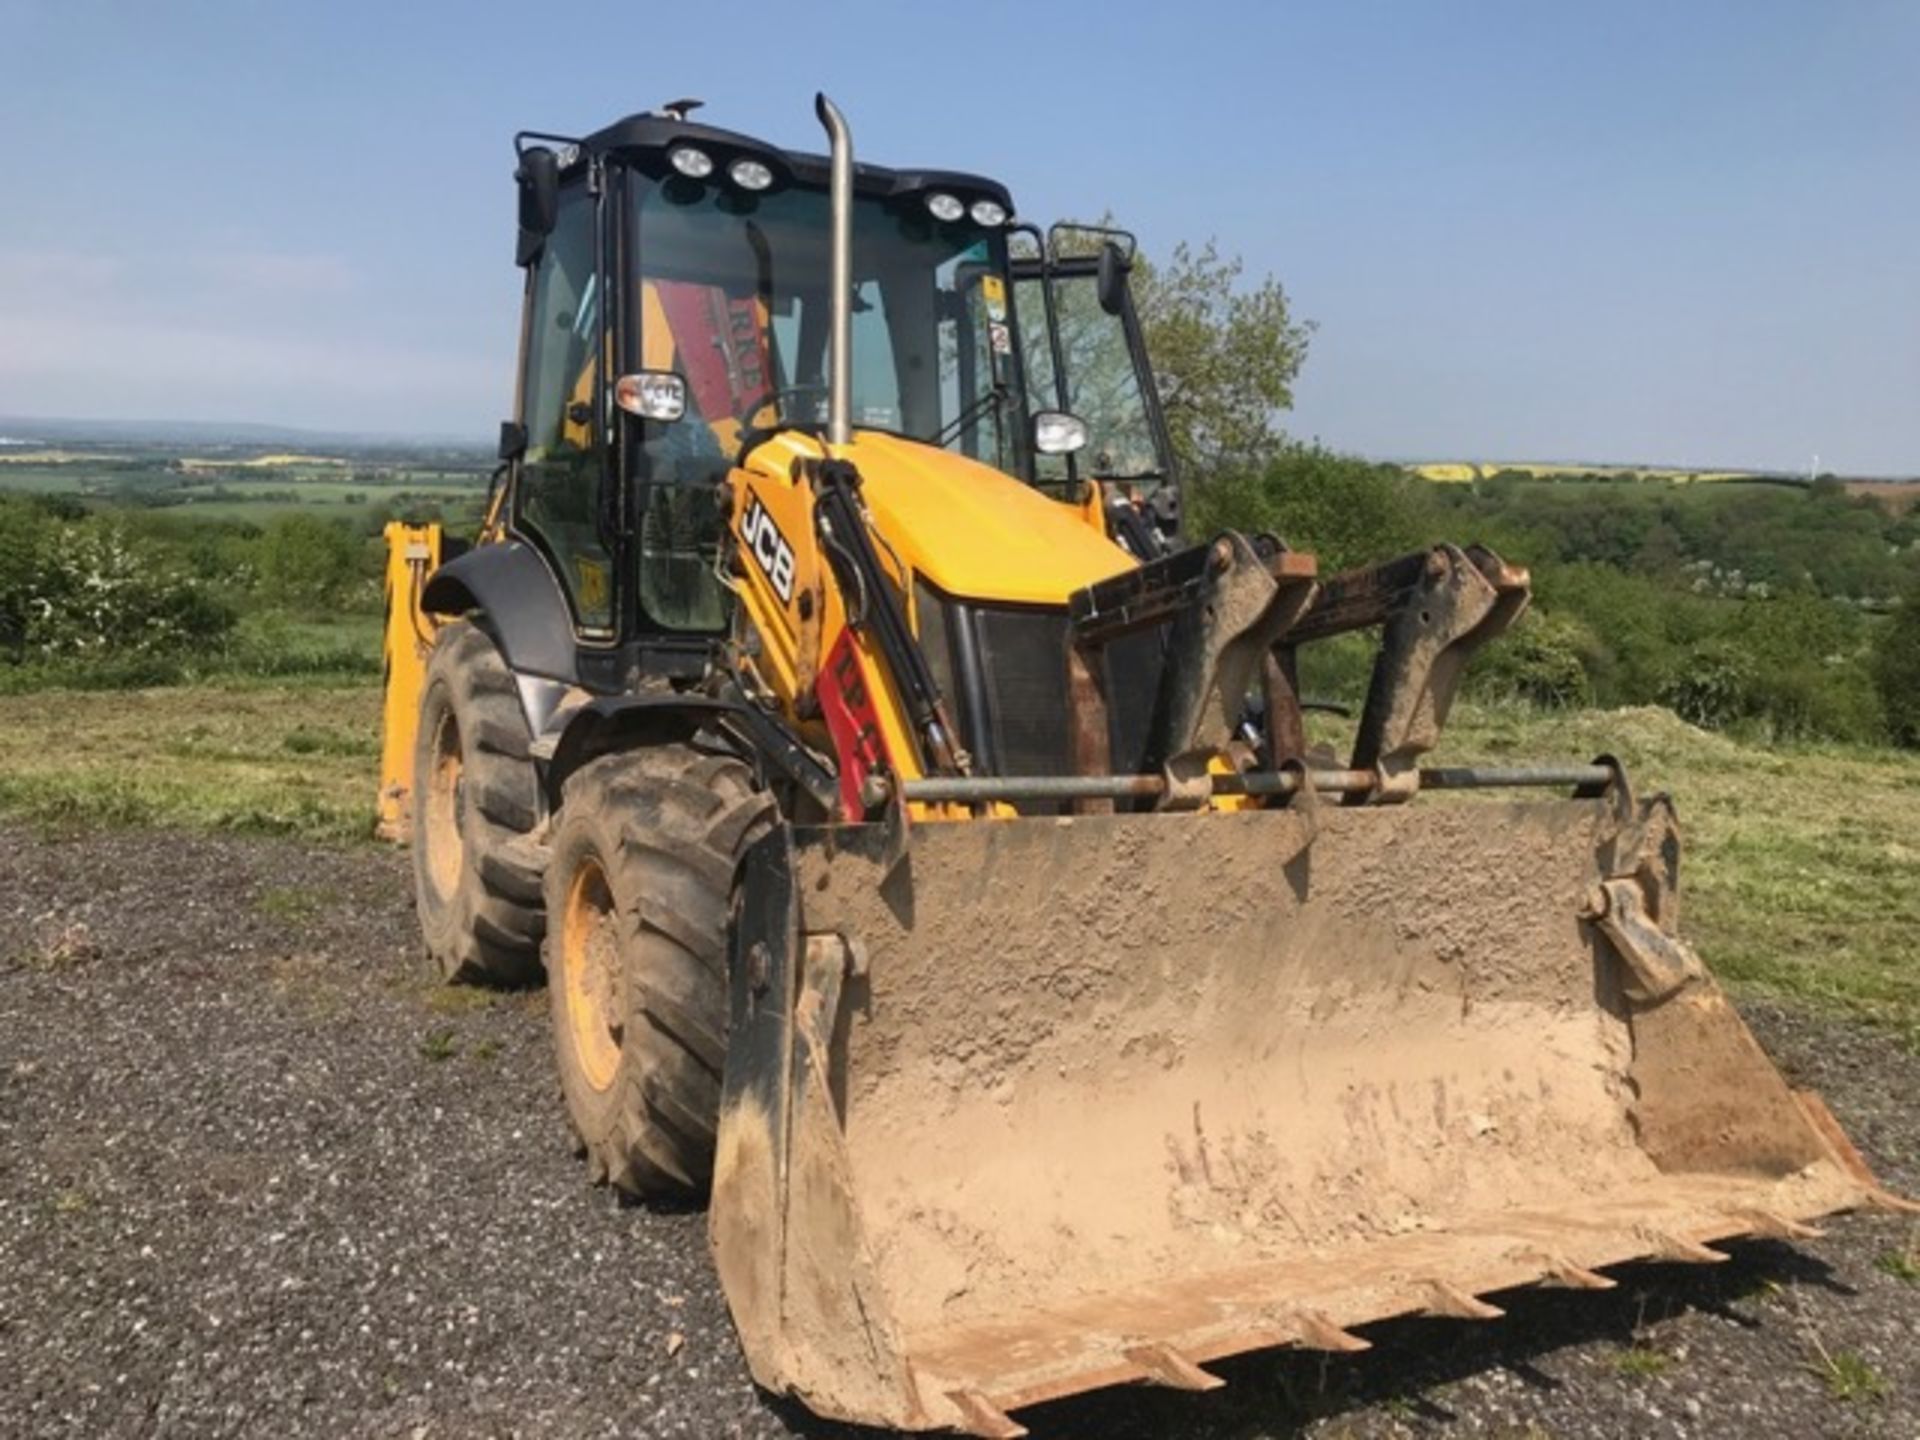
(974, 532)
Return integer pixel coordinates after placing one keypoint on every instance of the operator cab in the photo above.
(723, 341)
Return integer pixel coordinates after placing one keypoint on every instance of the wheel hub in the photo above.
(445, 798)
(590, 962)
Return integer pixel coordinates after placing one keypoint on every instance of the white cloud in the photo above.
(32, 278)
(326, 276)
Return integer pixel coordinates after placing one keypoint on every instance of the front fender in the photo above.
(620, 722)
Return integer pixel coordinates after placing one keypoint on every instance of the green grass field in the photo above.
(1801, 876)
(280, 758)
(1801, 873)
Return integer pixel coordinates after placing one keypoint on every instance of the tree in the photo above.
(1225, 357)
(1225, 354)
(1346, 510)
(23, 547)
(1896, 670)
(305, 560)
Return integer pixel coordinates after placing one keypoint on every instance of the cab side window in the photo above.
(562, 473)
(1050, 472)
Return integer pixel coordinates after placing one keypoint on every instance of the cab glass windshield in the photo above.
(734, 298)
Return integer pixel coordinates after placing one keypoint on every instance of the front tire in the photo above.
(476, 869)
(639, 889)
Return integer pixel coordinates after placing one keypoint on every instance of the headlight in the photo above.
(694, 164)
(652, 395)
(990, 213)
(1057, 433)
(943, 206)
(750, 174)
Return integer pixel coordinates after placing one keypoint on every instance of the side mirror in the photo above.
(1055, 432)
(1111, 286)
(652, 395)
(538, 176)
(513, 440)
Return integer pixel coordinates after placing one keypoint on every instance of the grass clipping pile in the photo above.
(1084, 1101)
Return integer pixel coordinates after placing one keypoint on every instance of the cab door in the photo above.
(1085, 355)
(561, 485)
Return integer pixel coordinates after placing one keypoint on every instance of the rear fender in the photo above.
(520, 605)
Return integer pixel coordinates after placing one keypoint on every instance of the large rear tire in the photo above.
(639, 890)
(476, 800)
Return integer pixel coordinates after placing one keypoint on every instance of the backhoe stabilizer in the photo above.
(1051, 1104)
(413, 553)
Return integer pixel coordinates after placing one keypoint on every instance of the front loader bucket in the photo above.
(1043, 1105)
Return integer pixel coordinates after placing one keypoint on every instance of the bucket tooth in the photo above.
(1566, 1275)
(1318, 1332)
(1776, 1226)
(1167, 1366)
(980, 1416)
(1446, 1299)
(1668, 1246)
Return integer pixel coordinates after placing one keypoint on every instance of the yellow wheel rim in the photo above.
(446, 849)
(590, 962)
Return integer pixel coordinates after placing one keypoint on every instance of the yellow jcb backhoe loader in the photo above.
(924, 853)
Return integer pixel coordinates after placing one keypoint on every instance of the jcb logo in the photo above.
(769, 547)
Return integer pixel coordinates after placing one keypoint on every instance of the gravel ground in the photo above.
(258, 1176)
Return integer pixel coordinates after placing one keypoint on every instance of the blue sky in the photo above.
(1684, 232)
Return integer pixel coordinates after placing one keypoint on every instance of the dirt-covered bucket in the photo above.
(1042, 1105)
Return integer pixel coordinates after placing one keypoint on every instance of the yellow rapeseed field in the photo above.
(1464, 472)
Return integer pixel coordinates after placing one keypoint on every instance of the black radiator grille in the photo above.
(1133, 665)
(1023, 663)
(1003, 672)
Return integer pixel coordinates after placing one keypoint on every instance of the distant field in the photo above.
(323, 491)
(1899, 496)
(262, 462)
(1461, 472)
(243, 485)
(43, 479)
(262, 510)
(35, 455)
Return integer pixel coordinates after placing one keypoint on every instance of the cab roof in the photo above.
(651, 134)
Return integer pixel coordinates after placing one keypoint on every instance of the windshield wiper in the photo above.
(995, 396)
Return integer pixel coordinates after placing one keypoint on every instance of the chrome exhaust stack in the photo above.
(840, 315)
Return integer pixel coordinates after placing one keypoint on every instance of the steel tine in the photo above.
(1566, 1275)
(1450, 1301)
(984, 1418)
(1687, 1252)
(1318, 1332)
(1775, 1226)
(1167, 1366)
